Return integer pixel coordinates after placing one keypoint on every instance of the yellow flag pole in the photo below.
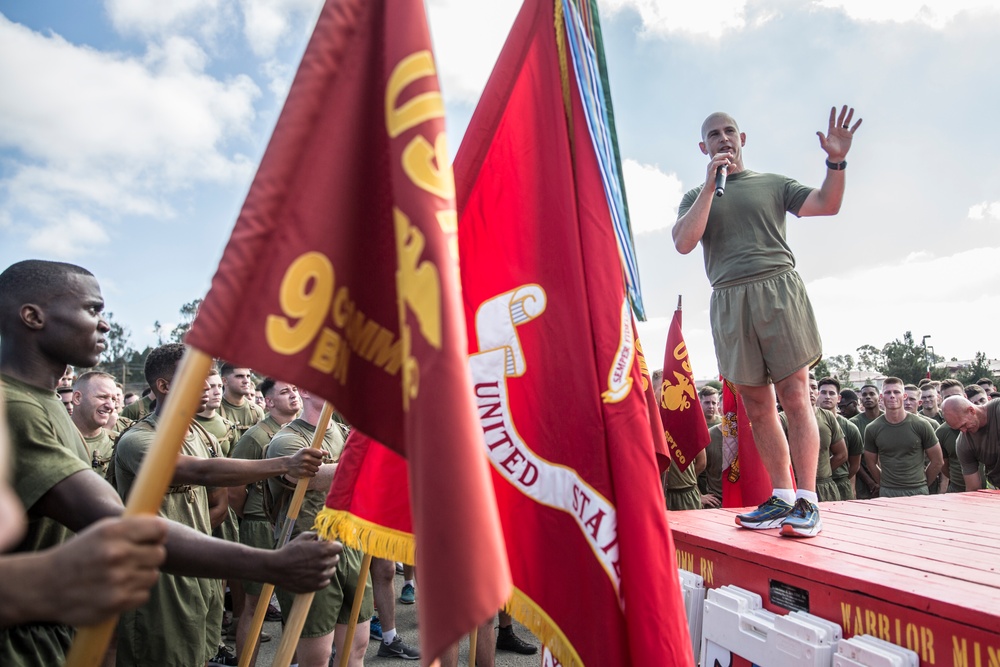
(293, 629)
(290, 518)
(359, 594)
(155, 474)
(473, 640)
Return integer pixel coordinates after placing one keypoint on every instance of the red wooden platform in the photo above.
(920, 572)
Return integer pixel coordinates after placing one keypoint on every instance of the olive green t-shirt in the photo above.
(223, 430)
(861, 421)
(170, 630)
(982, 448)
(100, 451)
(243, 416)
(292, 437)
(46, 448)
(710, 480)
(855, 446)
(251, 446)
(900, 448)
(948, 438)
(139, 409)
(745, 233)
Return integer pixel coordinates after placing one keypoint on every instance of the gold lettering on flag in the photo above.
(307, 294)
(418, 282)
(553, 485)
(620, 375)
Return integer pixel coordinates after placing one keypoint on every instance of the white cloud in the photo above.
(985, 210)
(933, 13)
(206, 17)
(73, 235)
(267, 22)
(652, 196)
(663, 16)
(100, 131)
(468, 38)
(924, 294)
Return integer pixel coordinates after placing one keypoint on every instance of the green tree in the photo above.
(907, 360)
(869, 358)
(188, 312)
(979, 368)
(840, 367)
(821, 369)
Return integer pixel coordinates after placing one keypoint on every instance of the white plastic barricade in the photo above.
(693, 588)
(868, 651)
(734, 621)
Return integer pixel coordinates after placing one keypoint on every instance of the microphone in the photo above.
(720, 181)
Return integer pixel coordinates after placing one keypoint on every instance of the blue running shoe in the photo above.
(770, 514)
(408, 594)
(803, 520)
(375, 630)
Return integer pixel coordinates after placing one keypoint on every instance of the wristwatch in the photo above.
(836, 166)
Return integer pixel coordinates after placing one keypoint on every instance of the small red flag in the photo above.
(369, 501)
(341, 276)
(562, 399)
(684, 424)
(745, 482)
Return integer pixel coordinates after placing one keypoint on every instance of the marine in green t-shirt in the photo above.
(171, 628)
(237, 399)
(93, 411)
(895, 444)
(139, 409)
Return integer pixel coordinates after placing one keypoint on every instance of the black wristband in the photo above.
(836, 166)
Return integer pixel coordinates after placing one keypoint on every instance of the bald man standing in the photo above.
(766, 336)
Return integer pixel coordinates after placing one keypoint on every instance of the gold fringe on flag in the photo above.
(368, 537)
(531, 616)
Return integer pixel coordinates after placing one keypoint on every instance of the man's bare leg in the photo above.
(315, 651)
(759, 403)
(383, 571)
(359, 644)
(803, 432)
(243, 626)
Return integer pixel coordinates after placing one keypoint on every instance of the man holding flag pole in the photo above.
(762, 321)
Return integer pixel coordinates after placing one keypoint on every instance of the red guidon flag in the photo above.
(745, 482)
(684, 424)
(552, 346)
(369, 501)
(341, 276)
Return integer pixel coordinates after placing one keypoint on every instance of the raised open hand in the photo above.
(837, 140)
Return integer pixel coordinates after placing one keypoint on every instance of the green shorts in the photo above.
(844, 487)
(332, 605)
(684, 499)
(764, 329)
(902, 493)
(258, 534)
(827, 491)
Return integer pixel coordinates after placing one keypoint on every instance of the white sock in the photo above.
(411, 582)
(808, 495)
(788, 495)
(388, 635)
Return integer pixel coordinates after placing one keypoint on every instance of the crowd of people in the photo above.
(890, 441)
(189, 579)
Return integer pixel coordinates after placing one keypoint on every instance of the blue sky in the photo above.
(130, 131)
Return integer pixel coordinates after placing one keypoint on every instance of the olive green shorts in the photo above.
(764, 329)
(258, 534)
(844, 487)
(684, 499)
(902, 493)
(332, 605)
(827, 490)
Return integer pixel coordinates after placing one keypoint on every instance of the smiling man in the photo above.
(765, 333)
(93, 411)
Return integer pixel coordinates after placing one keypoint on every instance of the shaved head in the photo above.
(32, 281)
(718, 115)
